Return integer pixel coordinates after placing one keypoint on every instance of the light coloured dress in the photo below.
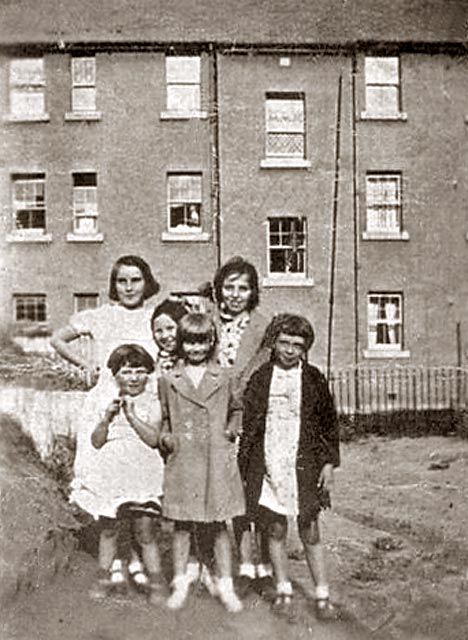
(110, 326)
(282, 430)
(124, 469)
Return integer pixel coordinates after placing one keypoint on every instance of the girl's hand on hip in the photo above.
(90, 375)
(326, 480)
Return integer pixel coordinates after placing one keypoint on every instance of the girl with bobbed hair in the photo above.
(239, 324)
(125, 319)
(240, 328)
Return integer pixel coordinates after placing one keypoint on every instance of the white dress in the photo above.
(110, 326)
(282, 430)
(124, 469)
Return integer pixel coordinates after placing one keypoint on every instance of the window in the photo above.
(183, 83)
(85, 211)
(83, 84)
(287, 246)
(83, 301)
(385, 323)
(27, 88)
(29, 209)
(382, 87)
(30, 307)
(383, 194)
(184, 193)
(285, 125)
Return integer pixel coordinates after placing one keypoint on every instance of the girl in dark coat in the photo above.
(288, 449)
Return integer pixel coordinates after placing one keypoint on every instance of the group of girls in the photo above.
(203, 418)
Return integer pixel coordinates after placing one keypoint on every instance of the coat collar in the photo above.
(210, 382)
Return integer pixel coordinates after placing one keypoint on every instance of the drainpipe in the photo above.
(355, 230)
(214, 149)
(331, 300)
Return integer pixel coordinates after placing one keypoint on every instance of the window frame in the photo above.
(195, 230)
(84, 296)
(77, 85)
(385, 349)
(286, 96)
(170, 112)
(40, 299)
(24, 87)
(93, 213)
(289, 275)
(373, 232)
(388, 114)
(16, 179)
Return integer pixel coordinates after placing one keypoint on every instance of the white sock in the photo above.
(322, 592)
(117, 565)
(284, 588)
(247, 569)
(264, 570)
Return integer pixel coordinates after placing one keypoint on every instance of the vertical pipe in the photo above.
(355, 224)
(336, 185)
(215, 161)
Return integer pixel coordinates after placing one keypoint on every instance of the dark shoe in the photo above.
(157, 591)
(244, 586)
(283, 606)
(325, 611)
(265, 587)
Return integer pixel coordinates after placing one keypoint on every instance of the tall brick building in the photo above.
(327, 142)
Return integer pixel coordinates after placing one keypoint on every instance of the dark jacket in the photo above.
(318, 438)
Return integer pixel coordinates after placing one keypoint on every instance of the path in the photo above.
(62, 611)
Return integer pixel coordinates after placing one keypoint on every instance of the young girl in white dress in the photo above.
(127, 470)
(125, 319)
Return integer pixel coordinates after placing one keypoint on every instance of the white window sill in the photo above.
(385, 235)
(387, 354)
(25, 237)
(82, 237)
(183, 115)
(12, 118)
(401, 116)
(287, 281)
(78, 116)
(173, 236)
(285, 163)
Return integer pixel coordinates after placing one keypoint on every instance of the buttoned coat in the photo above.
(318, 437)
(201, 480)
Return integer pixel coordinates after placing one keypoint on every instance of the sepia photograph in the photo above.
(234, 319)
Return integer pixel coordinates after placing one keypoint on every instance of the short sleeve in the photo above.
(83, 322)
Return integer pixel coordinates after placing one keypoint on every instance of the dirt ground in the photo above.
(396, 541)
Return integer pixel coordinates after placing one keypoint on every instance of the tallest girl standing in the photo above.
(125, 319)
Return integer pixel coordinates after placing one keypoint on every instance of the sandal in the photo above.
(326, 611)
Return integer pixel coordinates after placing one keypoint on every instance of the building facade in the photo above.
(335, 161)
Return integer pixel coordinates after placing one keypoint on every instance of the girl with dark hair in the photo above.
(202, 485)
(126, 473)
(241, 328)
(126, 319)
(288, 449)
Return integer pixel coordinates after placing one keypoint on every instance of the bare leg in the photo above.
(315, 557)
(149, 548)
(180, 554)
(107, 547)
(223, 560)
(278, 554)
